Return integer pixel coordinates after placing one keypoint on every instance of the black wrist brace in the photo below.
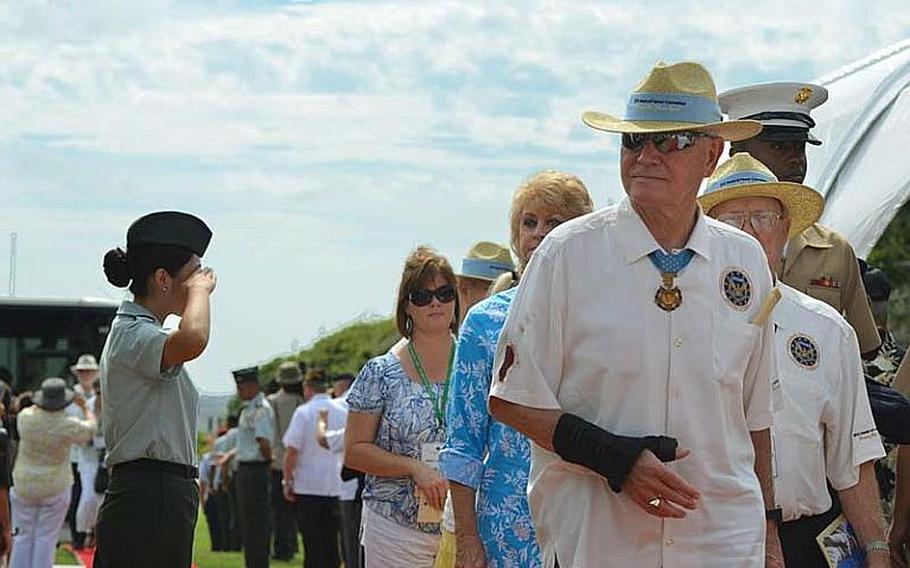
(578, 441)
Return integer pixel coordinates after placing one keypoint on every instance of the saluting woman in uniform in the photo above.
(148, 515)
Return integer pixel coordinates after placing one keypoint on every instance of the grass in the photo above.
(205, 558)
(64, 557)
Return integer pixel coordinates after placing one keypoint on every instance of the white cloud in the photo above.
(325, 139)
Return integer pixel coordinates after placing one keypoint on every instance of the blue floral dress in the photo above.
(482, 453)
(406, 422)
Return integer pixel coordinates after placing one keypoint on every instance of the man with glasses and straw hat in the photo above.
(636, 358)
(818, 261)
(824, 430)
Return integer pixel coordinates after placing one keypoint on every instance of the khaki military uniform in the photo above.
(821, 263)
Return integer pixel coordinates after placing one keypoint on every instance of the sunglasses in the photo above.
(762, 221)
(424, 296)
(665, 142)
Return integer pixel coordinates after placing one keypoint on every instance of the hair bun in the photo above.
(117, 268)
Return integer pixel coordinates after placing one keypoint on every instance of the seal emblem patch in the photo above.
(736, 288)
(804, 351)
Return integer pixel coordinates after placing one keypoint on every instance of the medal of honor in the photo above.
(668, 296)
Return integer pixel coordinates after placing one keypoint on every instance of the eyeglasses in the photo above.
(762, 221)
(664, 142)
(424, 296)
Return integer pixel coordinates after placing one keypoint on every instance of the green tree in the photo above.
(892, 254)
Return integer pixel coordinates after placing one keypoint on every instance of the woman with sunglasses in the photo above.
(485, 461)
(396, 419)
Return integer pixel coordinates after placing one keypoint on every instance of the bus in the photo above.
(42, 337)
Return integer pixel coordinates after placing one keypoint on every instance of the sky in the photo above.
(322, 141)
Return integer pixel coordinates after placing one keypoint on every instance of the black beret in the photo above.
(170, 228)
(247, 375)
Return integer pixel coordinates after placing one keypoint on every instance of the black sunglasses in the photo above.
(664, 142)
(424, 296)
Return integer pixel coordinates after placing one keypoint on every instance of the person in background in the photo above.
(312, 473)
(824, 431)
(6, 472)
(484, 263)
(283, 403)
(42, 477)
(207, 469)
(223, 487)
(350, 501)
(819, 261)
(485, 461)
(396, 419)
(83, 459)
(884, 367)
(148, 515)
(252, 453)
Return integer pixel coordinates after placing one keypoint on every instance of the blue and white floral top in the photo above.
(406, 422)
(483, 453)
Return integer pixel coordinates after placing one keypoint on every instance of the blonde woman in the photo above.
(485, 461)
(396, 419)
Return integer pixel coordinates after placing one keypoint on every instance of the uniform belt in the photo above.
(253, 463)
(157, 466)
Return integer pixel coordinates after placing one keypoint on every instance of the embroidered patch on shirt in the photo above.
(507, 361)
(736, 288)
(804, 351)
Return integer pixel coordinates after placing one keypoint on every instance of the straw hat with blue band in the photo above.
(744, 176)
(674, 98)
(486, 261)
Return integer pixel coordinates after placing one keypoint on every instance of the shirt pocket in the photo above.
(827, 294)
(733, 343)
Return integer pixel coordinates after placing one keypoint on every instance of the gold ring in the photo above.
(654, 502)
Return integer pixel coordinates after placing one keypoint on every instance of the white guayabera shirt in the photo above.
(825, 430)
(585, 335)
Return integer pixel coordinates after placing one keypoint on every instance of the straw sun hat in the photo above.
(486, 261)
(744, 176)
(674, 98)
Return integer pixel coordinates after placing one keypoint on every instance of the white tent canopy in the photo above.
(863, 165)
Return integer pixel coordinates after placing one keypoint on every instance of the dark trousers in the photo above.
(797, 539)
(318, 520)
(213, 515)
(252, 480)
(235, 537)
(147, 520)
(350, 532)
(284, 521)
(75, 495)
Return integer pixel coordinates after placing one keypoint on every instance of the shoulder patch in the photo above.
(804, 351)
(736, 288)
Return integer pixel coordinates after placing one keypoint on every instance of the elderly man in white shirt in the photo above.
(635, 357)
(312, 473)
(824, 431)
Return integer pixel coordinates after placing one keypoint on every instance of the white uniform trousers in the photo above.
(36, 525)
(89, 501)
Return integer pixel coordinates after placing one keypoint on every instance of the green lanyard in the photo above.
(425, 381)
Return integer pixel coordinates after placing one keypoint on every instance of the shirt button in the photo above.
(678, 342)
(669, 541)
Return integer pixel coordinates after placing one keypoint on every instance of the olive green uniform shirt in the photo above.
(147, 412)
(821, 263)
(283, 405)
